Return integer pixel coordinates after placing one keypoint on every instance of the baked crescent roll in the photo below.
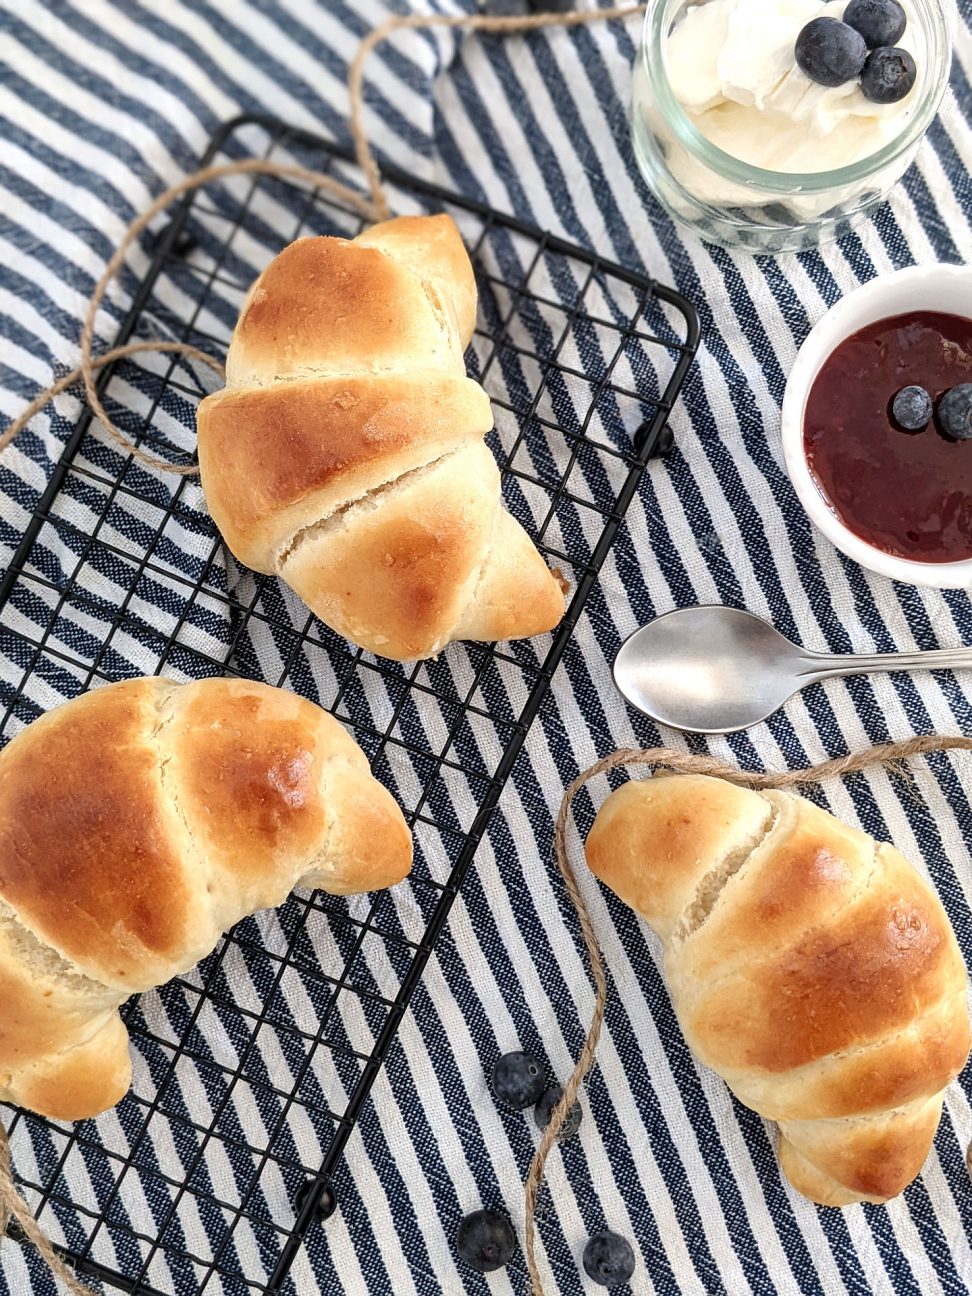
(137, 823)
(813, 968)
(346, 451)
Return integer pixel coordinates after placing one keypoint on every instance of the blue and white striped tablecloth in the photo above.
(105, 103)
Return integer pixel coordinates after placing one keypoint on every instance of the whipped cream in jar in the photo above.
(738, 142)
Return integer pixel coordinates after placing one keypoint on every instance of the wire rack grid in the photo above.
(251, 1070)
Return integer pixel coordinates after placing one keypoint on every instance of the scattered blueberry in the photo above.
(609, 1259)
(830, 52)
(955, 413)
(544, 1109)
(518, 1080)
(184, 243)
(889, 75)
(912, 408)
(880, 22)
(485, 1241)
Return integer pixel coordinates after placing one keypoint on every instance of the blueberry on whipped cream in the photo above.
(889, 75)
(732, 67)
(880, 22)
(830, 52)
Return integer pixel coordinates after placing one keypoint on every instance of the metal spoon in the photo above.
(718, 669)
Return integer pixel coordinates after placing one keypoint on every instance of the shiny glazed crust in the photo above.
(139, 822)
(814, 969)
(347, 409)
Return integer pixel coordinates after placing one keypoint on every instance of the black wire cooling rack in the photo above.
(250, 1071)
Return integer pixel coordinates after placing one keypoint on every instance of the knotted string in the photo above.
(679, 763)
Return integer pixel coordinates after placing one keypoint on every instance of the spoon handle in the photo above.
(820, 666)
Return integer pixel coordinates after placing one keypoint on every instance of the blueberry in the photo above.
(544, 1109)
(830, 52)
(880, 22)
(889, 75)
(912, 408)
(485, 1241)
(609, 1259)
(518, 1080)
(955, 413)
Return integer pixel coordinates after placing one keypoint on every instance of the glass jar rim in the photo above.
(938, 33)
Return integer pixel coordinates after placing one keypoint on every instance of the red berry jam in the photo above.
(908, 493)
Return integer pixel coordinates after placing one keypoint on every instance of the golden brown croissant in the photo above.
(137, 823)
(814, 969)
(346, 451)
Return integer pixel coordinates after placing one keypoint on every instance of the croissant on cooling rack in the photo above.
(346, 451)
(137, 823)
(813, 968)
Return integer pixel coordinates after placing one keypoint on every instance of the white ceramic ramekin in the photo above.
(942, 288)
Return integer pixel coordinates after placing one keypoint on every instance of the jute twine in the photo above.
(679, 763)
(13, 1207)
(376, 207)
(91, 363)
(476, 22)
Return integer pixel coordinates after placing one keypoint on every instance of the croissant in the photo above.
(813, 968)
(346, 451)
(137, 823)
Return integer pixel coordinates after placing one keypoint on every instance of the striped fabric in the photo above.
(103, 104)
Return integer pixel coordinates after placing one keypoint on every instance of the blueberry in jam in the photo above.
(912, 408)
(955, 413)
(910, 496)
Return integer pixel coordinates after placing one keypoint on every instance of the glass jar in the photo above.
(731, 202)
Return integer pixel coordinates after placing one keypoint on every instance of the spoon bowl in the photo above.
(715, 670)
